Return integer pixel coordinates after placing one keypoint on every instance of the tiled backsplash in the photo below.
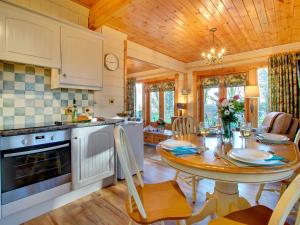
(26, 97)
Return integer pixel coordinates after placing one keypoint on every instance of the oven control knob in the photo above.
(24, 142)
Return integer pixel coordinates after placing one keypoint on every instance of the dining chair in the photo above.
(184, 125)
(285, 183)
(262, 215)
(149, 203)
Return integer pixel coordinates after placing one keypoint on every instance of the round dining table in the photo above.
(214, 164)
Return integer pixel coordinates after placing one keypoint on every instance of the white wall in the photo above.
(62, 9)
(113, 81)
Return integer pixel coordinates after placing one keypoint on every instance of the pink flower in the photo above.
(236, 97)
(221, 100)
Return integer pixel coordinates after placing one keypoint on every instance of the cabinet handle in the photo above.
(75, 138)
(64, 75)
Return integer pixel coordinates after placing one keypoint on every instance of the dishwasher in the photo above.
(135, 134)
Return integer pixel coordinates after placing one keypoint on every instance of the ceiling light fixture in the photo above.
(214, 57)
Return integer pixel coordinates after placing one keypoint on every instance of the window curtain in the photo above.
(131, 96)
(210, 82)
(284, 84)
(235, 80)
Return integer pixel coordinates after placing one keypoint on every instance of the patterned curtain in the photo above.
(131, 96)
(210, 82)
(168, 86)
(284, 84)
(235, 80)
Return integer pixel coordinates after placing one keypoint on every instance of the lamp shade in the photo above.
(181, 105)
(252, 91)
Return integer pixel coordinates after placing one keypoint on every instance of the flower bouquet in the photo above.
(228, 111)
(161, 124)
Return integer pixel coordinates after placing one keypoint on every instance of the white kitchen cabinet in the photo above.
(92, 154)
(27, 37)
(81, 56)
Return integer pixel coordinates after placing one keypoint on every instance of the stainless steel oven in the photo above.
(34, 163)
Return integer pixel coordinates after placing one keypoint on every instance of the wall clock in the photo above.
(111, 62)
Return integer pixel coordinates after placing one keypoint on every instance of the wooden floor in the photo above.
(106, 207)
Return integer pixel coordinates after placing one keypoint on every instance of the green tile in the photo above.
(64, 103)
(29, 103)
(8, 122)
(85, 97)
(30, 70)
(48, 102)
(39, 94)
(79, 103)
(47, 72)
(71, 96)
(64, 117)
(1, 111)
(47, 87)
(56, 110)
(7, 67)
(8, 85)
(91, 102)
(29, 120)
(29, 86)
(56, 95)
(20, 77)
(8, 102)
(39, 111)
(1, 75)
(19, 111)
(39, 79)
(20, 92)
(48, 119)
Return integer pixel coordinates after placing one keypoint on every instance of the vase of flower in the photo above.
(161, 125)
(228, 111)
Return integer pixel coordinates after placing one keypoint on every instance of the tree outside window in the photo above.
(154, 106)
(168, 105)
(262, 80)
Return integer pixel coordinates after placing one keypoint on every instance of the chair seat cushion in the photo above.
(161, 201)
(256, 215)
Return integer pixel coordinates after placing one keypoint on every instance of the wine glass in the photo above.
(204, 131)
(246, 131)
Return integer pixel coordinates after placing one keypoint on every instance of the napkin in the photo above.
(184, 150)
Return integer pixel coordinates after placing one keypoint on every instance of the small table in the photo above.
(225, 198)
(155, 137)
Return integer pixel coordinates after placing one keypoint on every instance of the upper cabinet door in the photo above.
(81, 54)
(28, 38)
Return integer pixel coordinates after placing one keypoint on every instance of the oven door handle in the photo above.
(35, 151)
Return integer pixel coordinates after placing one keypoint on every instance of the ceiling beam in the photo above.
(104, 10)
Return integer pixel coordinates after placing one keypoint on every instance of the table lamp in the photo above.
(180, 107)
(252, 92)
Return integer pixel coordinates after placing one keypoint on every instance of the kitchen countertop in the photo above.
(54, 127)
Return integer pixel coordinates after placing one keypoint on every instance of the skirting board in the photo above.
(37, 210)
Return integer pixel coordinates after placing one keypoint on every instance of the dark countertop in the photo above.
(46, 128)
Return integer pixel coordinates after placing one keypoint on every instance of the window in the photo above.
(211, 96)
(168, 105)
(232, 91)
(139, 100)
(262, 80)
(154, 106)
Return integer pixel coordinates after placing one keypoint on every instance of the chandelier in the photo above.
(214, 56)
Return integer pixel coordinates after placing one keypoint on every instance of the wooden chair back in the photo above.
(286, 204)
(297, 138)
(183, 125)
(128, 164)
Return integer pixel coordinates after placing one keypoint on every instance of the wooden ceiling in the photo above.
(180, 28)
(135, 66)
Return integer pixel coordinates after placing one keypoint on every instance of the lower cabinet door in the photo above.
(92, 155)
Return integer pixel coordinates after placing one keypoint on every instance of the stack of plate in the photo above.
(171, 144)
(252, 156)
(269, 138)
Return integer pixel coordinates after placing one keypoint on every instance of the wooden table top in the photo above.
(210, 162)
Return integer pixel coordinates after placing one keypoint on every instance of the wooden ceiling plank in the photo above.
(104, 10)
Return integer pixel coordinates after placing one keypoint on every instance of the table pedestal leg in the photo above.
(224, 200)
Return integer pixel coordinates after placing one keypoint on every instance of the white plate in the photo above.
(171, 144)
(258, 162)
(273, 137)
(250, 154)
